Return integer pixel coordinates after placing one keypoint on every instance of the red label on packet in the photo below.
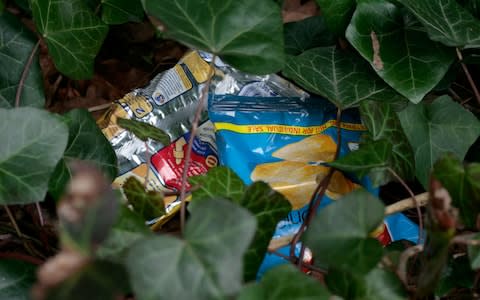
(384, 236)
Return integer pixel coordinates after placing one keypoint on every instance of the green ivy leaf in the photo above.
(72, 32)
(246, 34)
(463, 185)
(16, 46)
(456, 274)
(122, 11)
(474, 253)
(446, 22)
(342, 77)
(383, 123)
(144, 131)
(148, 204)
(85, 142)
(2, 6)
(33, 142)
(218, 182)
(207, 264)
(306, 34)
(398, 48)
(337, 14)
(436, 129)
(372, 157)
(345, 226)
(126, 232)
(285, 283)
(16, 279)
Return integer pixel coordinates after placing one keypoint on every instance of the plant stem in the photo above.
(22, 257)
(417, 205)
(26, 69)
(12, 220)
(149, 164)
(469, 77)
(40, 215)
(402, 205)
(403, 263)
(193, 132)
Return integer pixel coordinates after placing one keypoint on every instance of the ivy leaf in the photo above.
(474, 253)
(144, 131)
(33, 142)
(383, 123)
(72, 32)
(16, 279)
(446, 21)
(456, 274)
(338, 75)
(398, 48)
(285, 282)
(122, 11)
(148, 204)
(126, 232)
(306, 34)
(2, 6)
(246, 34)
(207, 264)
(372, 157)
(436, 129)
(218, 182)
(85, 142)
(345, 226)
(16, 45)
(337, 14)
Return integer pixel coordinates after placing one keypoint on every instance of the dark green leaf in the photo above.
(398, 49)
(463, 185)
(337, 14)
(16, 45)
(285, 283)
(207, 264)
(125, 233)
(269, 207)
(473, 6)
(306, 34)
(345, 226)
(219, 182)
(144, 131)
(446, 22)
(474, 253)
(98, 280)
(436, 129)
(122, 11)
(372, 157)
(16, 279)
(342, 77)
(246, 34)
(148, 204)
(383, 123)
(72, 32)
(456, 274)
(2, 6)
(33, 142)
(86, 142)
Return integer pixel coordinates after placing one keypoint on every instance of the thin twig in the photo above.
(294, 260)
(466, 239)
(12, 220)
(417, 205)
(469, 77)
(149, 165)
(40, 215)
(403, 262)
(99, 107)
(22, 257)
(408, 203)
(26, 69)
(193, 132)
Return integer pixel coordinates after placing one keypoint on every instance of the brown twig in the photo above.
(193, 132)
(405, 204)
(26, 69)
(403, 263)
(99, 107)
(414, 199)
(40, 215)
(13, 221)
(469, 77)
(22, 257)
(295, 260)
(466, 239)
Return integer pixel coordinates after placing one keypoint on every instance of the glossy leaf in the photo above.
(474, 254)
(345, 226)
(372, 158)
(383, 123)
(285, 283)
(340, 76)
(85, 142)
(16, 279)
(218, 182)
(446, 21)
(306, 34)
(463, 185)
(122, 11)
(207, 264)
(148, 204)
(144, 131)
(398, 48)
(436, 129)
(33, 141)
(16, 45)
(337, 14)
(72, 32)
(246, 34)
